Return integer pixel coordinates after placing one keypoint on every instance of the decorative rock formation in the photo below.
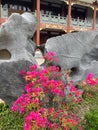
(76, 51)
(16, 53)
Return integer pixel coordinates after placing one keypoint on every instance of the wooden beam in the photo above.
(94, 18)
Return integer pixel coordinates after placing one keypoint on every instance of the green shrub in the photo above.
(3, 107)
(91, 120)
(9, 120)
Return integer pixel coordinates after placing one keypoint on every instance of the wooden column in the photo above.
(94, 18)
(38, 26)
(0, 12)
(0, 8)
(69, 16)
(95, 5)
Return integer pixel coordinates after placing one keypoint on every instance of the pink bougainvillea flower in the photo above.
(22, 72)
(90, 80)
(33, 67)
(72, 89)
(81, 128)
(42, 103)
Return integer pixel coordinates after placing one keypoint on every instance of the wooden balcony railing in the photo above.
(53, 19)
(63, 20)
(79, 22)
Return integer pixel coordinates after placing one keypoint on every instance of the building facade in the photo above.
(55, 17)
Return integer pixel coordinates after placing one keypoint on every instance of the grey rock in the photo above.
(16, 53)
(11, 82)
(76, 51)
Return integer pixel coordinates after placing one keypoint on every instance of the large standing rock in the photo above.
(76, 51)
(16, 53)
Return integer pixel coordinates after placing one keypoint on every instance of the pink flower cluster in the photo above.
(36, 119)
(40, 85)
(39, 82)
(90, 80)
(49, 57)
(74, 95)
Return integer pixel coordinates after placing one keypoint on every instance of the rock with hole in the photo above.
(77, 52)
(16, 53)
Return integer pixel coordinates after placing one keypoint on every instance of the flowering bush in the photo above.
(75, 95)
(90, 80)
(43, 105)
(50, 57)
(89, 86)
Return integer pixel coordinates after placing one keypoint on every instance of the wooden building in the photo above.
(55, 17)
